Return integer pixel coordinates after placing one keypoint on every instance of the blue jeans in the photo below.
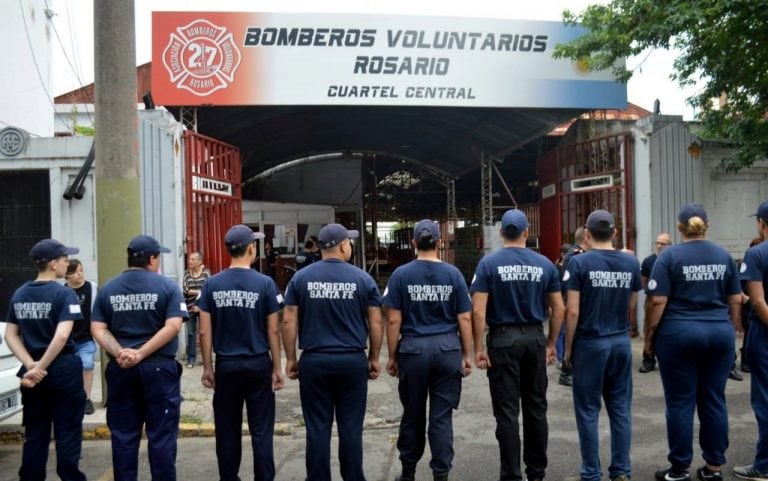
(694, 360)
(246, 381)
(602, 368)
(59, 399)
(334, 384)
(757, 356)
(192, 337)
(149, 395)
(560, 345)
(429, 368)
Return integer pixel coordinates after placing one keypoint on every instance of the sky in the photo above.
(73, 21)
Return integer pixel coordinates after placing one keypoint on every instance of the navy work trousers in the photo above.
(59, 399)
(149, 395)
(429, 368)
(602, 371)
(518, 375)
(757, 356)
(334, 384)
(694, 360)
(244, 381)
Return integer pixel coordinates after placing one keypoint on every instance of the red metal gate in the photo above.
(579, 178)
(213, 196)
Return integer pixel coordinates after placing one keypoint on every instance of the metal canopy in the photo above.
(448, 139)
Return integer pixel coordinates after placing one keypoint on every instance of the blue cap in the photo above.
(426, 228)
(50, 249)
(600, 220)
(145, 246)
(241, 235)
(762, 211)
(691, 210)
(514, 222)
(334, 234)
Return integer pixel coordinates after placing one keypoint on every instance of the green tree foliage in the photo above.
(723, 45)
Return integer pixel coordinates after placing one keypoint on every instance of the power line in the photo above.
(25, 130)
(69, 62)
(73, 44)
(32, 52)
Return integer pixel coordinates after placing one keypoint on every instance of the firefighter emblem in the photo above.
(201, 57)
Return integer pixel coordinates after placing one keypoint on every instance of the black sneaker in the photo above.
(672, 475)
(734, 374)
(89, 409)
(647, 366)
(565, 380)
(705, 474)
(749, 473)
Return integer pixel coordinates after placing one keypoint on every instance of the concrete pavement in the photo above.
(475, 443)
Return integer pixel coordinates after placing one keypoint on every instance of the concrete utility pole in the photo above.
(118, 193)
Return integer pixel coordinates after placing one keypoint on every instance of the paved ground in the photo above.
(475, 443)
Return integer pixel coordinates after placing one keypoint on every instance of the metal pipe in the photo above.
(297, 163)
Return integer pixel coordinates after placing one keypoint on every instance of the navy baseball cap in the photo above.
(762, 211)
(513, 222)
(334, 234)
(241, 235)
(691, 210)
(426, 227)
(145, 246)
(50, 249)
(601, 220)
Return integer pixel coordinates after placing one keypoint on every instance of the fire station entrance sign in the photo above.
(228, 58)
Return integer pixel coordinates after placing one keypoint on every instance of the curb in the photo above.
(94, 431)
(15, 434)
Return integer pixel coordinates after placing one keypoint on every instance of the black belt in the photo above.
(522, 328)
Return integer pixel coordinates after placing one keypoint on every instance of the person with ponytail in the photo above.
(693, 311)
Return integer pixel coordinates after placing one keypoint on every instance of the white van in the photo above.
(10, 396)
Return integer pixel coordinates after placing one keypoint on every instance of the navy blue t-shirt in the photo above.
(647, 265)
(304, 258)
(333, 299)
(697, 277)
(430, 296)
(754, 267)
(136, 304)
(37, 308)
(239, 301)
(605, 280)
(518, 281)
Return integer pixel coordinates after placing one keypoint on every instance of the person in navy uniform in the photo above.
(333, 307)
(306, 255)
(602, 289)
(238, 320)
(429, 334)
(694, 304)
(512, 291)
(754, 271)
(579, 247)
(663, 240)
(136, 319)
(40, 319)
